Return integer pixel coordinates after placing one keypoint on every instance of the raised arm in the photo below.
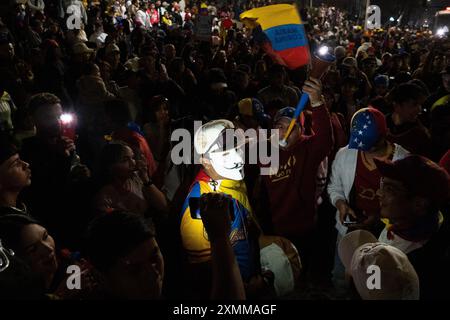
(226, 277)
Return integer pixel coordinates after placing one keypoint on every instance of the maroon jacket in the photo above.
(414, 137)
(291, 192)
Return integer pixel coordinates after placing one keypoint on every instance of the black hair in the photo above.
(406, 92)
(118, 111)
(276, 69)
(112, 236)
(39, 100)
(19, 282)
(7, 147)
(422, 85)
(11, 226)
(111, 154)
(238, 74)
(153, 106)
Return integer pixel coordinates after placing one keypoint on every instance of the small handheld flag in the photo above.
(284, 37)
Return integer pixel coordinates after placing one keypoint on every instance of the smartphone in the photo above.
(194, 208)
(67, 121)
(349, 222)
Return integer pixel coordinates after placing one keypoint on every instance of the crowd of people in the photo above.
(87, 178)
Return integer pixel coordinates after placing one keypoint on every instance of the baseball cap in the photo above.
(381, 80)
(419, 175)
(254, 108)
(368, 125)
(288, 112)
(361, 253)
(209, 134)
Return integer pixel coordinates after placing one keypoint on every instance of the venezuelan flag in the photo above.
(285, 37)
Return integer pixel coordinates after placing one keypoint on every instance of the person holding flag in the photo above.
(290, 205)
(291, 200)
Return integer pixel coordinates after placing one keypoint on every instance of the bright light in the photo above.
(323, 50)
(391, 19)
(441, 31)
(66, 118)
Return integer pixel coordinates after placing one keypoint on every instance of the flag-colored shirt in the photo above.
(194, 237)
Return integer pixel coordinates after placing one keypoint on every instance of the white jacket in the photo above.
(143, 18)
(343, 175)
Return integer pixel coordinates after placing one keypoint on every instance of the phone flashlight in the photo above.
(323, 50)
(67, 121)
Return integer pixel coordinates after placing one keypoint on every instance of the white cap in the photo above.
(207, 134)
(363, 256)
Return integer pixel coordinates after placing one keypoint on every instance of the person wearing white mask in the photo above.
(222, 172)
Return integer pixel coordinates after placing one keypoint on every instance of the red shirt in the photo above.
(291, 191)
(367, 185)
(227, 23)
(154, 16)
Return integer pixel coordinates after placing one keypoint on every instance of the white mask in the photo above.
(228, 164)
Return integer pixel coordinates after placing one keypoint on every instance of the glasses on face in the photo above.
(391, 188)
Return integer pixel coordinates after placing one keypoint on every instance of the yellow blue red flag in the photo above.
(284, 37)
